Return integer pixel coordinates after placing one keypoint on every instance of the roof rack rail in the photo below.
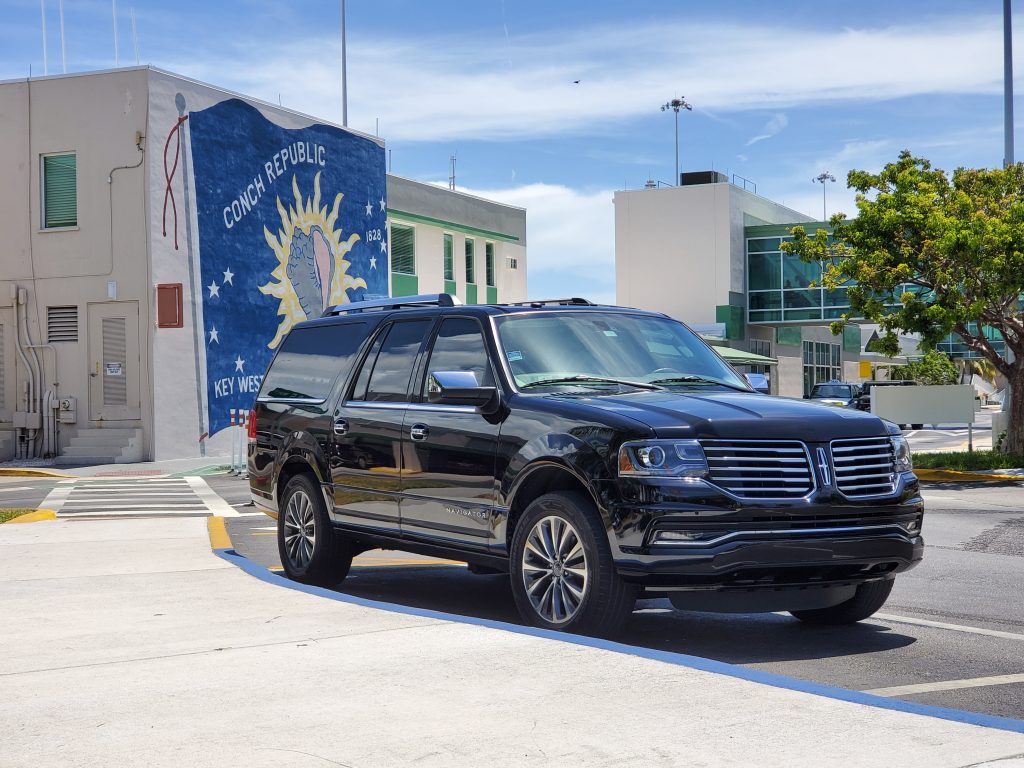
(575, 301)
(394, 302)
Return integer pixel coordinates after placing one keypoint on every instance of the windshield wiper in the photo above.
(695, 379)
(598, 379)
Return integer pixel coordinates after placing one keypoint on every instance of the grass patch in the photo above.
(968, 462)
(10, 514)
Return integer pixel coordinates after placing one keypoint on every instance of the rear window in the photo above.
(311, 359)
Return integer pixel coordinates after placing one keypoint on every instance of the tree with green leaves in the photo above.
(933, 255)
(934, 368)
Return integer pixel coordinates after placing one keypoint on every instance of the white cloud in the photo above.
(437, 88)
(570, 236)
(775, 125)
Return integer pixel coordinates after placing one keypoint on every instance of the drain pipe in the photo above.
(15, 298)
(49, 416)
(37, 373)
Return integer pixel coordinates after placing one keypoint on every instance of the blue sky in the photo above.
(781, 91)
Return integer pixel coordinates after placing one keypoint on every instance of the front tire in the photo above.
(311, 552)
(562, 573)
(868, 599)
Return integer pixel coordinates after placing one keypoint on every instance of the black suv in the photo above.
(594, 453)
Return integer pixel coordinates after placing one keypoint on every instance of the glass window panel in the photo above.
(765, 300)
(460, 347)
(403, 249)
(391, 371)
(764, 271)
(311, 359)
(762, 244)
(60, 191)
(764, 316)
(470, 261)
(802, 314)
(837, 298)
(800, 299)
(449, 258)
(797, 274)
(489, 263)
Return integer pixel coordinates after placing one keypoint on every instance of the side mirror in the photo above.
(459, 388)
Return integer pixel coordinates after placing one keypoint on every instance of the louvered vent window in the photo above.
(403, 250)
(60, 191)
(61, 324)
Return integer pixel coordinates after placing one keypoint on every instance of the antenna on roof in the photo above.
(135, 36)
(63, 51)
(42, 12)
(117, 51)
(451, 179)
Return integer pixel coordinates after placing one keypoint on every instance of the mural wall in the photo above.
(268, 219)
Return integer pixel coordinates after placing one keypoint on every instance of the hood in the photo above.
(737, 416)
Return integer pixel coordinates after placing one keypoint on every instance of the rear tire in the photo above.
(311, 552)
(869, 598)
(561, 568)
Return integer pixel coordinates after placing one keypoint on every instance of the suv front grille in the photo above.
(759, 469)
(864, 466)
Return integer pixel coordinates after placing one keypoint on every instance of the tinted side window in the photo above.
(311, 359)
(392, 366)
(460, 347)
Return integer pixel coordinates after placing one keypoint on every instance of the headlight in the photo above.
(901, 449)
(662, 458)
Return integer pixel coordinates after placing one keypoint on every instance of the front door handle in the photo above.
(419, 431)
(340, 427)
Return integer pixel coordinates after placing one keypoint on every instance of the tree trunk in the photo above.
(1014, 442)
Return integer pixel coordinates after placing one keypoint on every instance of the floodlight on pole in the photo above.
(344, 72)
(822, 178)
(675, 105)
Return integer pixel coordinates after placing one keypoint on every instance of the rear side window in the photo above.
(385, 375)
(311, 359)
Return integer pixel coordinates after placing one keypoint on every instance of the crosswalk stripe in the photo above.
(148, 497)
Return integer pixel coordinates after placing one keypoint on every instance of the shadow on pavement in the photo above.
(733, 638)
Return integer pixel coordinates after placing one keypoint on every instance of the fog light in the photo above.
(684, 537)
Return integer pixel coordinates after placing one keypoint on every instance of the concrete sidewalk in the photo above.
(129, 643)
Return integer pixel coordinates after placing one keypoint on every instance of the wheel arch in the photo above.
(540, 478)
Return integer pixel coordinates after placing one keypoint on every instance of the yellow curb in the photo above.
(27, 472)
(219, 538)
(33, 517)
(967, 477)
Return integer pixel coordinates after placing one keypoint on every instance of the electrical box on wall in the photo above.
(68, 412)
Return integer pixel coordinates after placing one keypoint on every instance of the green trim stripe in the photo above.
(417, 218)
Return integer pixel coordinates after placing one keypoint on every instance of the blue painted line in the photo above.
(668, 657)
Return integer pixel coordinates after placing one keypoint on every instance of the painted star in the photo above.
(240, 364)
(214, 290)
(369, 208)
(373, 262)
(229, 276)
(383, 247)
(214, 335)
(382, 206)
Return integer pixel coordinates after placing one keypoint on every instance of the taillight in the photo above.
(252, 424)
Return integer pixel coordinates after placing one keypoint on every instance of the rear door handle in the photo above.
(340, 427)
(419, 431)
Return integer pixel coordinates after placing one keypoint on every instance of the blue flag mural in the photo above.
(290, 221)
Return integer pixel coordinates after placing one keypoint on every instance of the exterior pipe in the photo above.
(48, 414)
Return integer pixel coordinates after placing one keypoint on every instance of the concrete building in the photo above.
(708, 251)
(161, 236)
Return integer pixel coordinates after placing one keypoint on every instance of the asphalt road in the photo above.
(966, 594)
(953, 437)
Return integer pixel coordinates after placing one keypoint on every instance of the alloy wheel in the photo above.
(299, 529)
(555, 572)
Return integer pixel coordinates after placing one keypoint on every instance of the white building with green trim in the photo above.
(444, 241)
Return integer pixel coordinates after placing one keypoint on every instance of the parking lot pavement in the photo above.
(952, 621)
(127, 642)
(953, 437)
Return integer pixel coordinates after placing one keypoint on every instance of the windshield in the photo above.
(843, 391)
(557, 346)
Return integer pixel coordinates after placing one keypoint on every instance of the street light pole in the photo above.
(344, 74)
(823, 177)
(1007, 85)
(675, 105)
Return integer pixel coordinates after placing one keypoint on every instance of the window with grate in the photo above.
(761, 347)
(470, 261)
(61, 324)
(489, 262)
(512, 263)
(59, 191)
(449, 258)
(403, 249)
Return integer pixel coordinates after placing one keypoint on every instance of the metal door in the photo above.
(114, 361)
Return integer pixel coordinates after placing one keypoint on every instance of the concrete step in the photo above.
(124, 432)
(106, 440)
(65, 459)
(93, 450)
(91, 445)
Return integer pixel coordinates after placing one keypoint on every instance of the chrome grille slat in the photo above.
(857, 462)
(759, 469)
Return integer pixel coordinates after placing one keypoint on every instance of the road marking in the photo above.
(953, 627)
(215, 503)
(5, 489)
(219, 538)
(946, 685)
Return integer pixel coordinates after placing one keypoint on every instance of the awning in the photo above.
(739, 357)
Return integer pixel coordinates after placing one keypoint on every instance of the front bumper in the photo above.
(687, 536)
